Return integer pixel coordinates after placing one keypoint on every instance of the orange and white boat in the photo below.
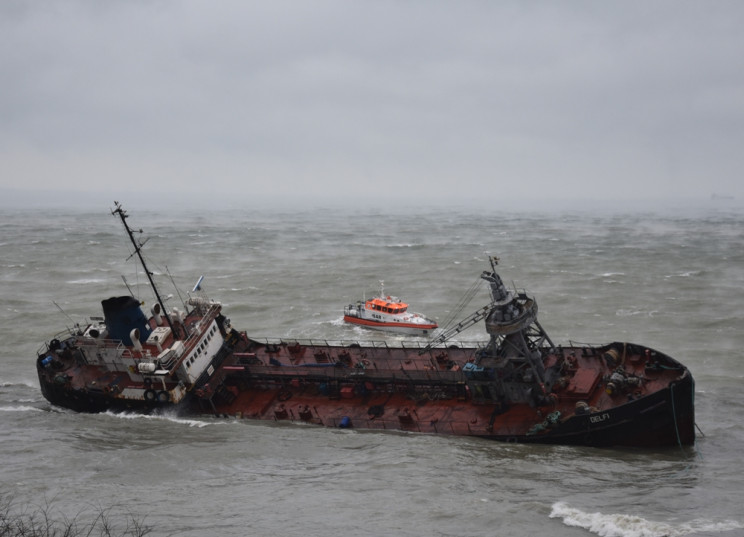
(389, 313)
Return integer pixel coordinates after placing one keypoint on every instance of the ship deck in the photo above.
(377, 386)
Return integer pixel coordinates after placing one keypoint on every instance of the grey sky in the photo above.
(407, 99)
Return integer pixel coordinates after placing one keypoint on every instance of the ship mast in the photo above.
(138, 250)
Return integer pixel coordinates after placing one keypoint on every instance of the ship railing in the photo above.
(111, 353)
(115, 355)
(73, 335)
(60, 336)
(350, 374)
(208, 313)
(378, 344)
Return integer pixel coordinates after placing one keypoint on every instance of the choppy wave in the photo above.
(84, 281)
(624, 525)
(25, 384)
(164, 417)
(630, 313)
(20, 408)
(675, 284)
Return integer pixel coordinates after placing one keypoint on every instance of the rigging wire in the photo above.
(137, 269)
(463, 303)
(160, 270)
(133, 255)
(75, 324)
(136, 274)
(178, 291)
(165, 271)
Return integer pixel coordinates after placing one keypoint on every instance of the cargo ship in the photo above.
(390, 314)
(517, 386)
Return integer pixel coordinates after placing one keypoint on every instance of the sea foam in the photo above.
(163, 417)
(20, 408)
(624, 525)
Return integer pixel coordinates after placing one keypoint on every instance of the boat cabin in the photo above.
(386, 306)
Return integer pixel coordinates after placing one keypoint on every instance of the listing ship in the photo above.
(516, 387)
(390, 314)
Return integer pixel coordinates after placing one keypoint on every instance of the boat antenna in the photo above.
(138, 250)
(127, 284)
(494, 261)
(178, 291)
(77, 325)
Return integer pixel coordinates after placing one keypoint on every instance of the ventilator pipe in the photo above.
(157, 343)
(135, 335)
(156, 314)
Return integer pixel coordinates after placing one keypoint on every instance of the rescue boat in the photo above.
(518, 386)
(388, 313)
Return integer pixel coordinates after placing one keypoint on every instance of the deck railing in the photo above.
(382, 344)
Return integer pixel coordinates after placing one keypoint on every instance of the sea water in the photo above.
(671, 279)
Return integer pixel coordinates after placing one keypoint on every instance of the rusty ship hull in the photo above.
(376, 386)
(380, 387)
(516, 387)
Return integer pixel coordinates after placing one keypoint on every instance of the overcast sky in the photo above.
(487, 100)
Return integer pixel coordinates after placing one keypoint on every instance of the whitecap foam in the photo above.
(624, 525)
(337, 322)
(84, 281)
(686, 274)
(20, 408)
(631, 313)
(20, 383)
(162, 417)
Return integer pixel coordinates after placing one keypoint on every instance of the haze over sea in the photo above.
(672, 279)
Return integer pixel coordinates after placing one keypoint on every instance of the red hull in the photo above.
(383, 325)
